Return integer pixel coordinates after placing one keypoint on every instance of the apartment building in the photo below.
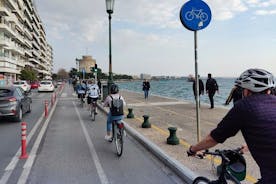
(23, 41)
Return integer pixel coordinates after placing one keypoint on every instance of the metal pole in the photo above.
(110, 77)
(197, 91)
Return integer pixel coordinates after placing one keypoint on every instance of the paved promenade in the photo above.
(165, 112)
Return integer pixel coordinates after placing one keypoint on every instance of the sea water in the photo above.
(182, 89)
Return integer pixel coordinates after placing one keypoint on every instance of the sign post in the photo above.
(196, 15)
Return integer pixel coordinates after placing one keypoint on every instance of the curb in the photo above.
(183, 172)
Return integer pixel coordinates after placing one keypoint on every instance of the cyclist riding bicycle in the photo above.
(81, 89)
(255, 116)
(92, 92)
(109, 102)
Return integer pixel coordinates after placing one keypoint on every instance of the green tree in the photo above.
(62, 74)
(28, 74)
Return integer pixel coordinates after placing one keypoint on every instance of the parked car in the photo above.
(46, 86)
(34, 85)
(14, 102)
(23, 84)
(59, 82)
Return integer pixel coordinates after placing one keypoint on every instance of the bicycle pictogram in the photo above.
(198, 14)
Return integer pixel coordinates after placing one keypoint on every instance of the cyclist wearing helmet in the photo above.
(114, 95)
(92, 91)
(255, 116)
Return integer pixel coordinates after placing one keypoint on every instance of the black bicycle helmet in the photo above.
(256, 80)
(114, 89)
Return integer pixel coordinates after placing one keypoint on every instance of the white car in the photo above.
(46, 86)
(23, 84)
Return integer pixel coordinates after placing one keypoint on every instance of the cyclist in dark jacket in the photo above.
(211, 88)
(255, 117)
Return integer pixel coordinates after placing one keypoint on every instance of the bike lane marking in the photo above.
(101, 173)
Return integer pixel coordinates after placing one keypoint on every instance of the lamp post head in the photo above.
(109, 6)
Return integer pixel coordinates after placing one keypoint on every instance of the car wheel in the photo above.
(30, 108)
(19, 115)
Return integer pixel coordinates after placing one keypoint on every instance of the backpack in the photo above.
(117, 107)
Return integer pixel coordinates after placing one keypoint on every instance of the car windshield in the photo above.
(18, 83)
(5, 92)
(45, 82)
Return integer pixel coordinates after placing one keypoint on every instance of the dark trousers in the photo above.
(146, 93)
(211, 98)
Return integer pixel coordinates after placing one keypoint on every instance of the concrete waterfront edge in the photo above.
(183, 172)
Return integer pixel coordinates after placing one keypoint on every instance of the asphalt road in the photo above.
(10, 131)
(73, 150)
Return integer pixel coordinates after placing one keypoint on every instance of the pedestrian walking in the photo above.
(211, 88)
(200, 87)
(146, 87)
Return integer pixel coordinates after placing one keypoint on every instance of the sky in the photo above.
(148, 36)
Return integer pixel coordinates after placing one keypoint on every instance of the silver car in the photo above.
(14, 102)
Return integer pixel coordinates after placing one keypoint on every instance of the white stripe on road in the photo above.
(11, 166)
(30, 161)
(93, 152)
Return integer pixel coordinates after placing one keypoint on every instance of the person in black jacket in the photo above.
(211, 88)
(146, 87)
(200, 87)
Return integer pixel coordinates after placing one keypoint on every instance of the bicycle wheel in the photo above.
(201, 180)
(119, 140)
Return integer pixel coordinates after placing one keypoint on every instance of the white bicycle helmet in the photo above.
(256, 80)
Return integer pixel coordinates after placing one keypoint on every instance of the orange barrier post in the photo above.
(46, 108)
(24, 154)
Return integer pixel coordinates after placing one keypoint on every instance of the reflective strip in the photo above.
(24, 137)
(24, 127)
(24, 132)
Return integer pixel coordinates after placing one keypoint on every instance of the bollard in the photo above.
(172, 139)
(24, 153)
(52, 99)
(130, 113)
(146, 123)
(46, 108)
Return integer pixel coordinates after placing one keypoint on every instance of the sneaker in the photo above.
(108, 138)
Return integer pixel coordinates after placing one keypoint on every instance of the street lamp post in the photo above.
(109, 10)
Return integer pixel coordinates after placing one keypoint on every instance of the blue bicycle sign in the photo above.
(195, 15)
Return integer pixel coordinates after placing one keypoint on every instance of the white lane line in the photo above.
(11, 166)
(30, 161)
(92, 150)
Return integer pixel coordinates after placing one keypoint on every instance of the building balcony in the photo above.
(4, 42)
(4, 11)
(35, 53)
(28, 53)
(28, 43)
(7, 29)
(34, 61)
(28, 34)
